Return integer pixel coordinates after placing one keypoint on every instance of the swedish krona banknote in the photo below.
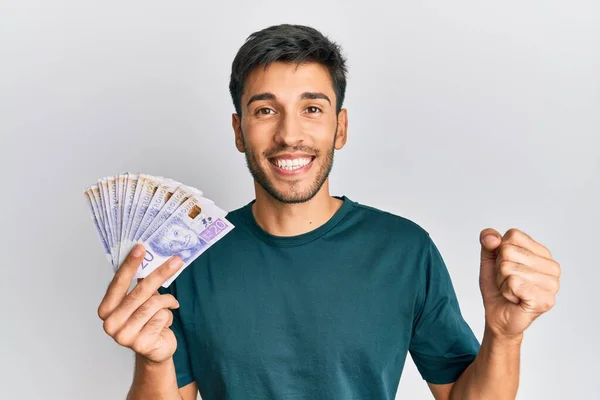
(166, 216)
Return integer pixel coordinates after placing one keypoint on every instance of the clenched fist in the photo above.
(140, 319)
(519, 280)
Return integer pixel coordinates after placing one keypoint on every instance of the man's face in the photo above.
(179, 238)
(289, 129)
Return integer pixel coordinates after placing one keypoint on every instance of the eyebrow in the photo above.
(303, 96)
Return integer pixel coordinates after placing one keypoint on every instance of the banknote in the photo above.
(129, 192)
(177, 199)
(149, 186)
(108, 222)
(148, 193)
(99, 230)
(163, 193)
(165, 215)
(95, 191)
(120, 182)
(194, 226)
(112, 204)
(136, 196)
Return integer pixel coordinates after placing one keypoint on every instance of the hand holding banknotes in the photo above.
(140, 319)
(151, 228)
(167, 217)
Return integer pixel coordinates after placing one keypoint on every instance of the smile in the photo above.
(291, 164)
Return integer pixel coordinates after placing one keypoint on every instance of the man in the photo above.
(314, 296)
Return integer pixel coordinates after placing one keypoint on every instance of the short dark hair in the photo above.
(287, 43)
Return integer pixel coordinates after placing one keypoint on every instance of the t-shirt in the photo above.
(328, 314)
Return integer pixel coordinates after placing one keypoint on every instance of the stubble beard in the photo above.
(293, 195)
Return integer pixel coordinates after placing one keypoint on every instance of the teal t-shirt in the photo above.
(329, 314)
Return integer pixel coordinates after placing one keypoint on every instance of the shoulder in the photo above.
(386, 223)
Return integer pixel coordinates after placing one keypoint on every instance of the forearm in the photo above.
(154, 381)
(494, 374)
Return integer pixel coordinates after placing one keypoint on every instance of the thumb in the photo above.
(490, 240)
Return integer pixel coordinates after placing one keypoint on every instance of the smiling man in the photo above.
(314, 296)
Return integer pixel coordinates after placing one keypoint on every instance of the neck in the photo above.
(281, 219)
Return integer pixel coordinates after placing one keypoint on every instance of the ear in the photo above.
(236, 124)
(342, 129)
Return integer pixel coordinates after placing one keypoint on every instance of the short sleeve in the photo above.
(442, 344)
(183, 369)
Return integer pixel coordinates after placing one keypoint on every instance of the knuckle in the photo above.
(102, 311)
(123, 338)
(147, 307)
(518, 267)
(557, 269)
(140, 313)
(163, 315)
(109, 327)
(128, 301)
(121, 278)
(513, 234)
(136, 294)
(505, 268)
(153, 303)
(508, 251)
(513, 281)
(555, 285)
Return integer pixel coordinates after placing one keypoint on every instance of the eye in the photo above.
(265, 111)
(176, 233)
(313, 110)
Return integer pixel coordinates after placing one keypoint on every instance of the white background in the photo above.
(462, 115)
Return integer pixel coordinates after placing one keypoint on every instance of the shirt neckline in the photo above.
(287, 241)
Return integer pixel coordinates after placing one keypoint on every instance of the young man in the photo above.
(313, 296)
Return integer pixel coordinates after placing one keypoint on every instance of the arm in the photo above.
(157, 380)
(519, 281)
(494, 374)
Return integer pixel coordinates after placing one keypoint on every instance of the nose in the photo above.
(289, 130)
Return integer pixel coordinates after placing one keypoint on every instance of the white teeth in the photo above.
(291, 165)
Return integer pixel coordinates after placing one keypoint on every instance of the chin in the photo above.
(291, 196)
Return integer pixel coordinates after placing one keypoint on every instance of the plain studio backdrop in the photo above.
(462, 115)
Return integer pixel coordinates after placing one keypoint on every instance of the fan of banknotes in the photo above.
(166, 216)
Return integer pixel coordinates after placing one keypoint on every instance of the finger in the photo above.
(121, 281)
(514, 289)
(543, 302)
(489, 239)
(529, 274)
(140, 294)
(132, 327)
(520, 238)
(521, 255)
(151, 332)
(531, 298)
(152, 282)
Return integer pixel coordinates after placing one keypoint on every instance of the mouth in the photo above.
(291, 164)
(187, 241)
